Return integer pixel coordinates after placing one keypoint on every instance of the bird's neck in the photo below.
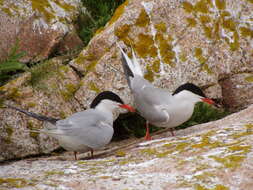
(107, 111)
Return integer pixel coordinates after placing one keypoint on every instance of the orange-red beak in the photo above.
(128, 107)
(207, 100)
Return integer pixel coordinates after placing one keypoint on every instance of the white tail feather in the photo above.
(133, 64)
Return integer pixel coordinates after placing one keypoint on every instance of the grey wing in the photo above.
(154, 96)
(87, 128)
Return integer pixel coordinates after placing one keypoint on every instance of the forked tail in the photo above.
(131, 67)
(34, 115)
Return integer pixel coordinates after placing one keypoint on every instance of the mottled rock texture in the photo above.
(212, 156)
(49, 90)
(39, 27)
(205, 42)
(200, 41)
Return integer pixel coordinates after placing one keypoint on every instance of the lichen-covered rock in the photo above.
(38, 26)
(212, 156)
(47, 89)
(199, 41)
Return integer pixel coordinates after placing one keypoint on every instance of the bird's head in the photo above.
(110, 101)
(192, 93)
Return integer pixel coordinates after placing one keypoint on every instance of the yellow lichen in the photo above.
(145, 46)
(165, 49)
(191, 22)
(201, 6)
(220, 4)
(229, 24)
(246, 32)
(119, 11)
(207, 31)
(122, 33)
(93, 87)
(161, 27)
(204, 19)
(156, 66)
(230, 161)
(143, 19)
(32, 134)
(43, 6)
(14, 182)
(69, 92)
(149, 75)
(120, 153)
(9, 132)
(188, 7)
(182, 57)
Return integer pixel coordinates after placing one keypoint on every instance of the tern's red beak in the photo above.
(207, 100)
(128, 107)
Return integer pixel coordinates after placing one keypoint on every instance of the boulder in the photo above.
(48, 89)
(38, 27)
(215, 155)
(197, 41)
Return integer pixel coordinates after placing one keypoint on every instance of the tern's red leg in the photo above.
(172, 131)
(75, 155)
(147, 136)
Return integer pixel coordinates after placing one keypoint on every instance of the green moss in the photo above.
(191, 22)
(69, 92)
(119, 11)
(62, 114)
(220, 4)
(145, 46)
(143, 19)
(14, 182)
(161, 27)
(187, 6)
(41, 72)
(246, 32)
(93, 87)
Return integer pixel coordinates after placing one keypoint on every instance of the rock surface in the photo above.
(49, 90)
(38, 26)
(176, 42)
(212, 156)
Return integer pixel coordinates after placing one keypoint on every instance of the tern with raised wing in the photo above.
(158, 106)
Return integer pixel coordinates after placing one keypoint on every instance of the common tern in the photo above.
(158, 106)
(86, 130)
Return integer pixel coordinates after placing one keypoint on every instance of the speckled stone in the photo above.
(215, 155)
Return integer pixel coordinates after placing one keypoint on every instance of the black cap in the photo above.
(105, 95)
(190, 87)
